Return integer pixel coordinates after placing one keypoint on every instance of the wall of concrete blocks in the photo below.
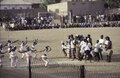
(78, 8)
(86, 8)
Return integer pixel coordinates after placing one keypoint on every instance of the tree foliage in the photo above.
(57, 1)
(52, 1)
(1, 0)
(112, 3)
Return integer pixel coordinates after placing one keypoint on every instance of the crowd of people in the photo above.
(111, 20)
(47, 22)
(28, 52)
(28, 23)
(75, 47)
(96, 18)
(81, 48)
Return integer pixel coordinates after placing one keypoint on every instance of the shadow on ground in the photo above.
(116, 58)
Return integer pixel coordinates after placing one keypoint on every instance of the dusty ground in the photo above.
(53, 38)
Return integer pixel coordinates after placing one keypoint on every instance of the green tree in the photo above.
(52, 1)
(57, 1)
(0, 0)
(113, 3)
(47, 2)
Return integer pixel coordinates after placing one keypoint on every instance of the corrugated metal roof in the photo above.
(14, 2)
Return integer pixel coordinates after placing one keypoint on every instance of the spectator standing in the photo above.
(73, 47)
(101, 42)
(87, 52)
(96, 51)
(64, 47)
(108, 48)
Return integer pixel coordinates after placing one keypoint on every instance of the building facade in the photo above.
(78, 7)
(14, 4)
(20, 8)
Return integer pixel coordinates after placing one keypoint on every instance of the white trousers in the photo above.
(23, 55)
(14, 61)
(33, 54)
(46, 61)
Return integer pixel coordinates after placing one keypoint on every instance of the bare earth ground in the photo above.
(53, 38)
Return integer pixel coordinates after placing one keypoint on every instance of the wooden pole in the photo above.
(82, 71)
(30, 73)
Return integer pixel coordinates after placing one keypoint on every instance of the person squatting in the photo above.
(80, 47)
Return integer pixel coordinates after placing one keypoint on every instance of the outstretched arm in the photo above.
(22, 51)
(3, 52)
